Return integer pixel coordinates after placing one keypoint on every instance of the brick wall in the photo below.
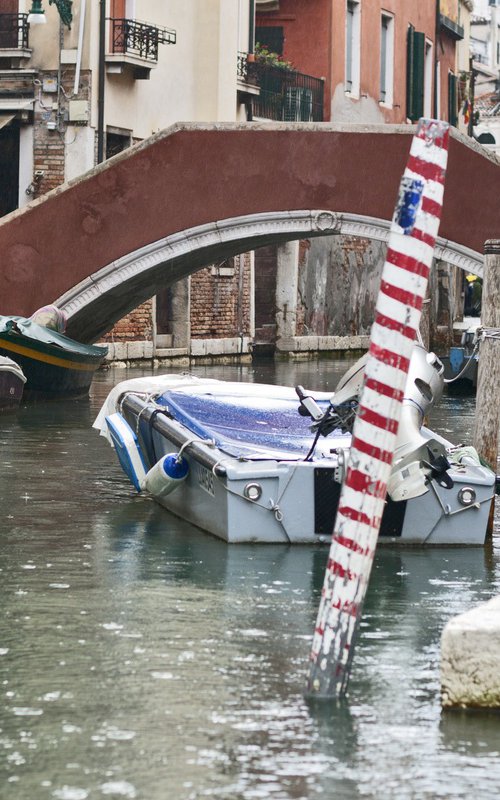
(136, 326)
(220, 300)
(48, 145)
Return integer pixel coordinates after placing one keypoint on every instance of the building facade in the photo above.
(485, 47)
(382, 62)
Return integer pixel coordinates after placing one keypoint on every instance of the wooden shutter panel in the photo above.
(452, 99)
(415, 70)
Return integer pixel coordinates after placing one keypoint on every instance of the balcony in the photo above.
(279, 94)
(134, 46)
(14, 30)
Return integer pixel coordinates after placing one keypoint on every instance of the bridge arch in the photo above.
(97, 302)
(195, 193)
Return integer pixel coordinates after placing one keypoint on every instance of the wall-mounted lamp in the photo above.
(36, 14)
(37, 179)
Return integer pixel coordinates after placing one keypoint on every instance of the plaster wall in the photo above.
(193, 80)
(338, 283)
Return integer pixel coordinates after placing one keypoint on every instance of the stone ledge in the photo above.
(129, 351)
(171, 352)
(470, 655)
(304, 344)
(220, 347)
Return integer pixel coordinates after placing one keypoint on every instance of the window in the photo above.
(117, 140)
(415, 70)
(298, 106)
(386, 59)
(271, 37)
(352, 47)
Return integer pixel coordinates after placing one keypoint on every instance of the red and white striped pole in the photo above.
(397, 315)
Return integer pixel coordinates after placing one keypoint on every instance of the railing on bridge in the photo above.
(14, 30)
(139, 38)
(285, 94)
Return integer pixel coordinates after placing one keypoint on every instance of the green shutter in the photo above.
(452, 99)
(415, 71)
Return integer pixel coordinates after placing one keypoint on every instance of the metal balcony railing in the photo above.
(139, 38)
(14, 30)
(285, 94)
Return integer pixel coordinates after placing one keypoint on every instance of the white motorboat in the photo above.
(238, 459)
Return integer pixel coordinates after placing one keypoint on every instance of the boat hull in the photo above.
(12, 383)
(294, 509)
(52, 368)
(297, 499)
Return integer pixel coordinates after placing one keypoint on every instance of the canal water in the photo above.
(141, 658)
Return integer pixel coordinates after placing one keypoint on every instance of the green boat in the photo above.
(54, 364)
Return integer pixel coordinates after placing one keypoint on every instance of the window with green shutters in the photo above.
(415, 74)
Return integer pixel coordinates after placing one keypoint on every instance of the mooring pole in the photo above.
(487, 418)
(397, 316)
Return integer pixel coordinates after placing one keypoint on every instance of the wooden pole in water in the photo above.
(487, 418)
(397, 317)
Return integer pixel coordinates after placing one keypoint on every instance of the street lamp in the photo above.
(36, 15)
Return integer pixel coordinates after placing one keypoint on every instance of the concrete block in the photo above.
(286, 344)
(198, 347)
(148, 349)
(135, 350)
(470, 658)
(111, 350)
(120, 351)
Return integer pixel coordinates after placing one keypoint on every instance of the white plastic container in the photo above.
(166, 475)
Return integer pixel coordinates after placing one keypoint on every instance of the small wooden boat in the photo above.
(239, 461)
(54, 365)
(12, 380)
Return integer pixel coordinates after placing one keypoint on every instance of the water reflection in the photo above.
(141, 658)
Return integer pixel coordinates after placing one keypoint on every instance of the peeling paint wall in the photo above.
(339, 278)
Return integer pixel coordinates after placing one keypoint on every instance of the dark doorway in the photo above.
(164, 330)
(9, 168)
(265, 300)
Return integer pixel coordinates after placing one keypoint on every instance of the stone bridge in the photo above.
(196, 194)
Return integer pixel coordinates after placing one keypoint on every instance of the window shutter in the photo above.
(415, 70)
(452, 99)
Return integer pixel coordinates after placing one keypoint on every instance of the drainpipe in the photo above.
(83, 3)
(100, 88)
(251, 27)
(436, 64)
(472, 92)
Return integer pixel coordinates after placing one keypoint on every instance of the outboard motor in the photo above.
(417, 458)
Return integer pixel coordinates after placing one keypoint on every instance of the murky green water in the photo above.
(140, 658)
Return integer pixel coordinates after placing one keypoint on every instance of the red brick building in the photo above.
(390, 61)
